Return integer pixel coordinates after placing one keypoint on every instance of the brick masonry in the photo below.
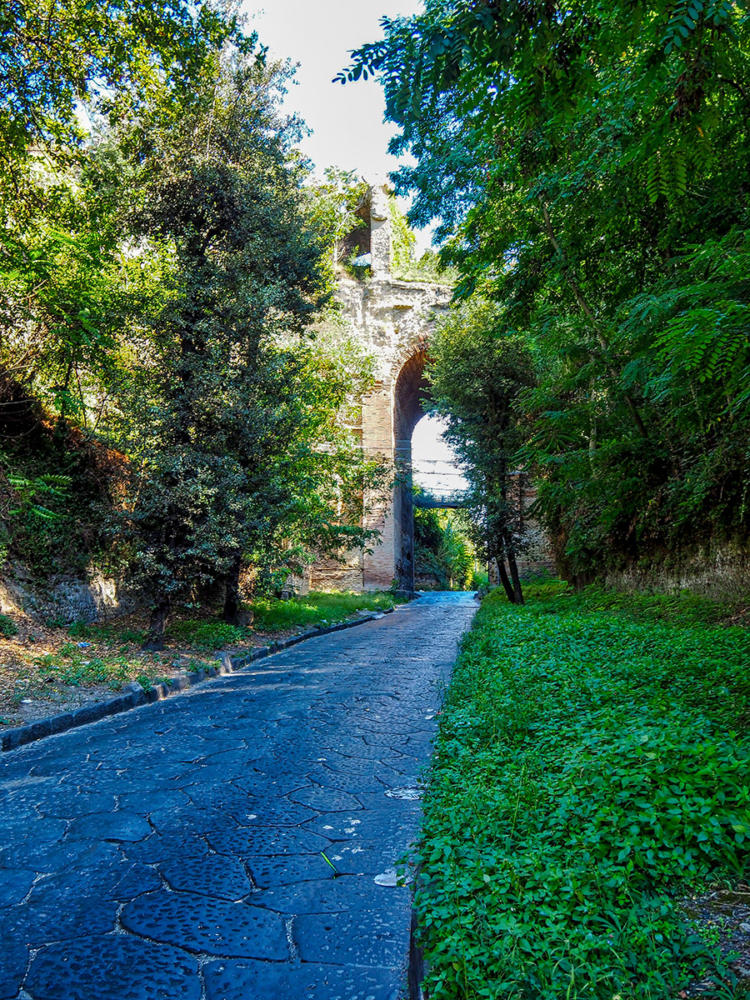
(394, 321)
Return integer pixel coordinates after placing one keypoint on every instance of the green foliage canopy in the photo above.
(442, 548)
(60, 54)
(588, 166)
(229, 408)
(70, 71)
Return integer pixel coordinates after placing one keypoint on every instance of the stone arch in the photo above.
(393, 320)
(409, 394)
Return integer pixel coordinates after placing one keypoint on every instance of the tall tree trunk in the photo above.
(159, 614)
(504, 578)
(517, 597)
(510, 551)
(232, 594)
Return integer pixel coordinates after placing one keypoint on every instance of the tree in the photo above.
(305, 474)
(231, 399)
(70, 70)
(60, 54)
(478, 371)
(588, 167)
(163, 261)
(223, 205)
(442, 548)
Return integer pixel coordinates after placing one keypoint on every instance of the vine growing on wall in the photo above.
(405, 265)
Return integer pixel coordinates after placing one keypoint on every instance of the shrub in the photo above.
(80, 630)
(8, 627)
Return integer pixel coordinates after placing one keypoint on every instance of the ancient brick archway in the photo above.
(394, 320)
(409, 395)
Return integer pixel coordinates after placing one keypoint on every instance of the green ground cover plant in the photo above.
(591, 773)
(109, 634)
(206, 635)
(73, 666)
(8, 627)
(316, 608)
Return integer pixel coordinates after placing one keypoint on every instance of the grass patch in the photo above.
(315, 609)
(591, 772)
(206, 635)
(269, 615)
(8, 627)
(72, 666)
(109, 635)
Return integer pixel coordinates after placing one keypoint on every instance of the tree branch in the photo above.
(589, 314)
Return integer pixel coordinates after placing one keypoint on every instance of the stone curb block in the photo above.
(137, 695)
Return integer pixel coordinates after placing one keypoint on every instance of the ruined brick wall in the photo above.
(65, 598)
(393, 320)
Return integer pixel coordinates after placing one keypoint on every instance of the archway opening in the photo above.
(444, 553)
(410, 398)
(436, 470)
(423, 459)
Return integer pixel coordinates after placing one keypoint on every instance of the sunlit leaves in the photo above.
(59, 53)
(571, 153)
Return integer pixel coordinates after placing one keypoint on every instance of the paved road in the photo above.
(177, 851)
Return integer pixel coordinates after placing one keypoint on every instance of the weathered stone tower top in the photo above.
(392, 317)
(371, 241)
(380, 230)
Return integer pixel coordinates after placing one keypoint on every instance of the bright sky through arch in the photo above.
(433, 460)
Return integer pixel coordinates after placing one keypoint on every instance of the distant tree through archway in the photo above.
(410, 394)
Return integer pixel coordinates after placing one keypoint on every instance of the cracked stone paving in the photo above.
(238, 841)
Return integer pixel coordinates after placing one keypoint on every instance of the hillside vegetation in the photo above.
(176, 388)
(587, 167)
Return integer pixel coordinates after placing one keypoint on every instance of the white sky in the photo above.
(347, 124)
(433, 461)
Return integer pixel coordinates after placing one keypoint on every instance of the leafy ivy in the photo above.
(590, 775)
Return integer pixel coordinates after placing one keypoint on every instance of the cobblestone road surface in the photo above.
(178, 851)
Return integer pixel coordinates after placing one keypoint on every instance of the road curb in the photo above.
(136, 695)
